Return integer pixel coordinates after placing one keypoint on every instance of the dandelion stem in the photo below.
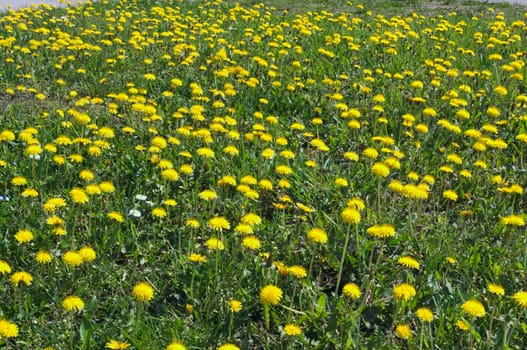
(342, 258)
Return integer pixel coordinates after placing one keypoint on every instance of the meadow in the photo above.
(212, 175)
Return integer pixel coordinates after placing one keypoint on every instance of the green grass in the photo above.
(338, 108)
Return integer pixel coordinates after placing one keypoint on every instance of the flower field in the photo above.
(209, 175)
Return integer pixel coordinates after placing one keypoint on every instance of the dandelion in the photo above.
(513, 220)
(4, 267)
(197, 258)
(24, 236)
(520, 298)
(43, 257)
(116, 216)
(270, 295)
(251, 219)
(107, 187)
(404, 291)
(496, 289)
(143, 292)
(297, 271)
(176, 345)
(283, 170)
(235, 306)
(72, 258)
(73, 303)
(87, 254)
(403, 331)
(228, 346)
(205, 152)
(208, 195)
(214, 244)
(356, 203)
(350, 216)
(351, 290)
(473, 308)
(219, 223)
(8, 329)
(159, 212)
(251, 242)
(292, 330)
(29, 192)
(410, 262)
(449, 194)
(424, 314)
(463, 325)
(317, 235)
(116, 345)
(79, 196)
(380, 169)
(86, 175)
(21, 277)
(381, 231)
(170, 175)
(18, 181)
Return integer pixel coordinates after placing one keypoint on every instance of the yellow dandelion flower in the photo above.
(451, 195)
(214, 244)
(292, 330)
(403, 331)
(29, 192)
(4, 267)
(24, 236)
(79, 196)
(473, 308)
(115, 216)
(463, 325)
(520, 298)
(297, 271)
(283, 170)
(235, 306)
(197, 258)
(350, 216)
(410, 262)
(107, 187)
(176, 345)
(159, 212)
(228, 346)
(208, 195)
(317, 235)
(43, 257)
(219, 223)
(381, 231)
(21, 277)
(170, 175)
(404, 291)
(380, 169)
(8, 329)
(88, 254)
(73, 303)
(425, 314)
(351, 290)
(116, 345)
(270, 295)
(356, 203)
(513, 220)
(143, 291)
(86, 175)
(72, 258)
(496, 289)
(251, 242)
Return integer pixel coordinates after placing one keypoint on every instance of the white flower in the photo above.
(135, 213)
